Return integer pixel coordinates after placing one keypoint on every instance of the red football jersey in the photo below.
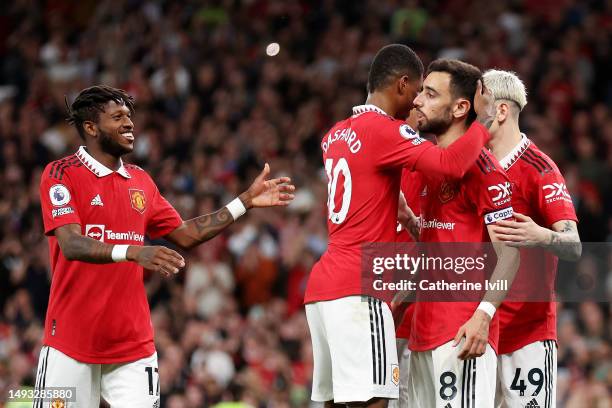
(458, 211)
(411, 186)
(98, 313)
(538, 191)
(363, 157)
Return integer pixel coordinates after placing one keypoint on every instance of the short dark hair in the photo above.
(90, 102)
(464, 80)
(391, 61)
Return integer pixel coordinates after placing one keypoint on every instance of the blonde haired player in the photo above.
(544, 216)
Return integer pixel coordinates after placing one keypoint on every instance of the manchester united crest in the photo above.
(138, 200)
(395, 374)
(447, 192)
(58, 403)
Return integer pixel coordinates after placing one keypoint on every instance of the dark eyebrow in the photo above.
(120, 112)
(429, 88)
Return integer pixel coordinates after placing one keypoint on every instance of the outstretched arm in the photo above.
(262, 193)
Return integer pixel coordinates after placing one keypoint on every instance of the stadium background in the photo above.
(212, 107)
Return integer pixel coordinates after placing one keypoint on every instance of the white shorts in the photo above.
(404, 394)
(527, 377)
(134, 384)
(353, 346)
(439, 379)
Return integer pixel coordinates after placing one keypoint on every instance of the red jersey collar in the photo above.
(98, 168)
(358, 110)
(515, 153)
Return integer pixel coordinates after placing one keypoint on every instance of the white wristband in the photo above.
(487, 307)
(119, 253)
(236, 208)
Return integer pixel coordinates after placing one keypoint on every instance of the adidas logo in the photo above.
(97, 201)
(532, 404)
(448, 405)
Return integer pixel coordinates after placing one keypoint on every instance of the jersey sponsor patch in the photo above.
(495, 216)
(95, 231)
(124, 236)
(500, 192)
(57, 212)
(435, 224)
(556, 192)
(59, 195)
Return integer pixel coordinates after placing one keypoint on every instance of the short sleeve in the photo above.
(57, 201)
(553, 198)
(398, 144)
(491, 191)
(163, 218)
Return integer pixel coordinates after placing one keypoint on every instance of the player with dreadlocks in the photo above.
(97, 211)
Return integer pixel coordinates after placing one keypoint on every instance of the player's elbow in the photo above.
(69, 251)
(182, 238)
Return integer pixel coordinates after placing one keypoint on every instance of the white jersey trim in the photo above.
(515, 153)
(98, 168)
(358, 110)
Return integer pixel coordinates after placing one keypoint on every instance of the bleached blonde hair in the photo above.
(506, 85)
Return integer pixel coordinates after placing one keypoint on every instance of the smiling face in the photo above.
(113, 130)
(434, 104)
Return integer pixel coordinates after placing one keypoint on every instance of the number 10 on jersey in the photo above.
(333, 174)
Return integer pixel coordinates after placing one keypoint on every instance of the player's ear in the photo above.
(462, 108)
(503, 110)
(403, 85)
(90, 128)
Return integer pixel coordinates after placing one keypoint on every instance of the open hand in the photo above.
(268, 193)
(484, 105)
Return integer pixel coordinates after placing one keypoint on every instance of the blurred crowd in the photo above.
(212, 107)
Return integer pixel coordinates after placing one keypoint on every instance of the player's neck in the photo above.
(104, 158)
(381, 101)
(454, 132)
(505, 139)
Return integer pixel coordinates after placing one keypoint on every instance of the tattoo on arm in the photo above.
(207, 226)
(566, 242)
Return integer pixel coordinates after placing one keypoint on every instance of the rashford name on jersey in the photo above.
(363, 157)
(346, 135)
